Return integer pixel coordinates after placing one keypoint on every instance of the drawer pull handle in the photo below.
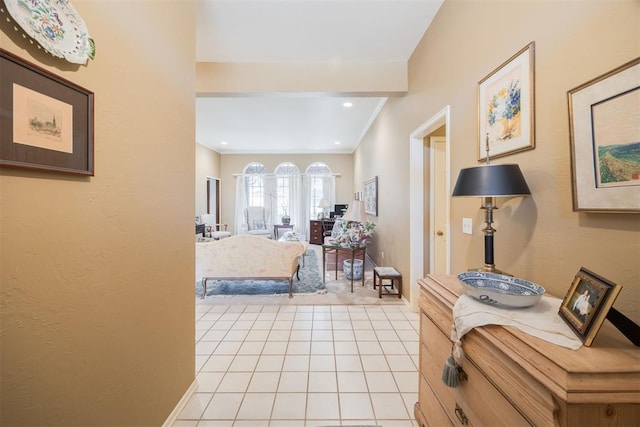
(461, 416)
(462, 375)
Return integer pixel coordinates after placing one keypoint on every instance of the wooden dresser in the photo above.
(315, 232)
(514, 379)
(318, 228)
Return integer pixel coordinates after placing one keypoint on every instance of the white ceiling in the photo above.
(309, 31)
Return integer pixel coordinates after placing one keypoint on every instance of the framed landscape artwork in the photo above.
(371, 196)
(46, 121)
(506, 107)
(604, 127)
(586, 304)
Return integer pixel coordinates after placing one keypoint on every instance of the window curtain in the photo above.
(271, 200)
(241, 204)
(328, 192)
(329, 189)
(299, 199)
(297, 204)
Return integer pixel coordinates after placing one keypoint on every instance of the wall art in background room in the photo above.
(604, 127)
(371, 196)
(506, 107)
(47, 121)
(587, 302)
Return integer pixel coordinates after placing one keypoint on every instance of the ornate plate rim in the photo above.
(84, 46)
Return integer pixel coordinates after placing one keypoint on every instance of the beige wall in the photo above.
(96, 273)
(539, 238)
(207, 166)
(235, 163)
(377, 79)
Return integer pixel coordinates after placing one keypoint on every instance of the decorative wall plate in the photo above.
(56, 25)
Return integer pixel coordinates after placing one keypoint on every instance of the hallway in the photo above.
(304, 366)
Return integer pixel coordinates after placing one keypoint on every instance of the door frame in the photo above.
(211, 179)
(416, 196)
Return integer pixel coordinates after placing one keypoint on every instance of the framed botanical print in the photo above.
(506, 107)
(371, 196)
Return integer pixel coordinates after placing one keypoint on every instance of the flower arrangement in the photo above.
(355, 233)
(505, 106)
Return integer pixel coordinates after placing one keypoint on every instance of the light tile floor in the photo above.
(304, 366)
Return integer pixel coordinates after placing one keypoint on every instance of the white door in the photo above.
(439, 197)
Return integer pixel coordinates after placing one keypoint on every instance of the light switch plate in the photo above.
(467, 226)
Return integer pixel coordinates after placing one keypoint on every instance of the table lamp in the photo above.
(488, 182)
(355, 212)
(324, 204)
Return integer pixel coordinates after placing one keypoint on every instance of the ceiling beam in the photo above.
(339, 78)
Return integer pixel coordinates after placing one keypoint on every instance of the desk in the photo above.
(333, 249)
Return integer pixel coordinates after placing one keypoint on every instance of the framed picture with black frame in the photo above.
(46, 121)
(587, 303)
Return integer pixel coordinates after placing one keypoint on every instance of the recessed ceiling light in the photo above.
(337, 142)
(223, 143)
(347, 104)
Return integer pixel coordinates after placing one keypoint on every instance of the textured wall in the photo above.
(96, 274)
(539, 238)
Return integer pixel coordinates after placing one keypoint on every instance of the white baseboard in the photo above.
(181, 404)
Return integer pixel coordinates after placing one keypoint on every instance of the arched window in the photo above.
(254, 183)
(284, 173)
(321, 188)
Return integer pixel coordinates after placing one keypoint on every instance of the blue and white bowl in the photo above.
(500, 290)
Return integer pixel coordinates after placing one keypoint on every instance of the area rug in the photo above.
(310, 283)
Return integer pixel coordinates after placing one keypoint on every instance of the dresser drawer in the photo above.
(474, 397)
(433, 356)
(431, 413)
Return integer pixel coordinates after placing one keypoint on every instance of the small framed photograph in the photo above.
(46, 121)
(605, 141)
(586, 304)
(371, 196)
(506, 107)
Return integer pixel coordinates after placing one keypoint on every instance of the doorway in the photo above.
(417, 210)
(213, 198)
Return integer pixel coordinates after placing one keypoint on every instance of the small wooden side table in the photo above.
(387, 273)
(355, 252)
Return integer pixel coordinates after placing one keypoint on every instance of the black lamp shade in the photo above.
(491, 181)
